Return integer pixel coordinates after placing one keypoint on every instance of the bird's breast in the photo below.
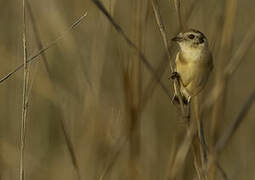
(190, 68)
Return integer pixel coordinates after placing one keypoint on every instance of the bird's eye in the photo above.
(191, 36)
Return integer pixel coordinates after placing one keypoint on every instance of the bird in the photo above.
(193, 64)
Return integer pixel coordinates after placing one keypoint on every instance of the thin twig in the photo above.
(43, 50)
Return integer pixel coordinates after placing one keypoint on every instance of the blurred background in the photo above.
(95, 110)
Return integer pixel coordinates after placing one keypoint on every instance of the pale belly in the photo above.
(194, 77)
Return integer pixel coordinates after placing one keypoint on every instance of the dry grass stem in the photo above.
(25, 99)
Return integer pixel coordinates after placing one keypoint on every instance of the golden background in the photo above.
(85, 90)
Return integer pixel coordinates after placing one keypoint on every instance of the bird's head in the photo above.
(191, 39)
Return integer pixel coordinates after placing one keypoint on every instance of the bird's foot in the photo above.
(175, 75)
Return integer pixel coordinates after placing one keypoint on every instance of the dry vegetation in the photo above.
(90, 99)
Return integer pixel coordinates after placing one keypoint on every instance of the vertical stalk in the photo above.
(24, 104)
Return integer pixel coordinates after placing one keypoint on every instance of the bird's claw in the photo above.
(174, 75)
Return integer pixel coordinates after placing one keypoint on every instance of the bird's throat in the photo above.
(191, 54)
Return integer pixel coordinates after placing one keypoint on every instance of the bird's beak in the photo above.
(177, 39)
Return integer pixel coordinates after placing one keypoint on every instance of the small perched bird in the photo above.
(193, 63)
